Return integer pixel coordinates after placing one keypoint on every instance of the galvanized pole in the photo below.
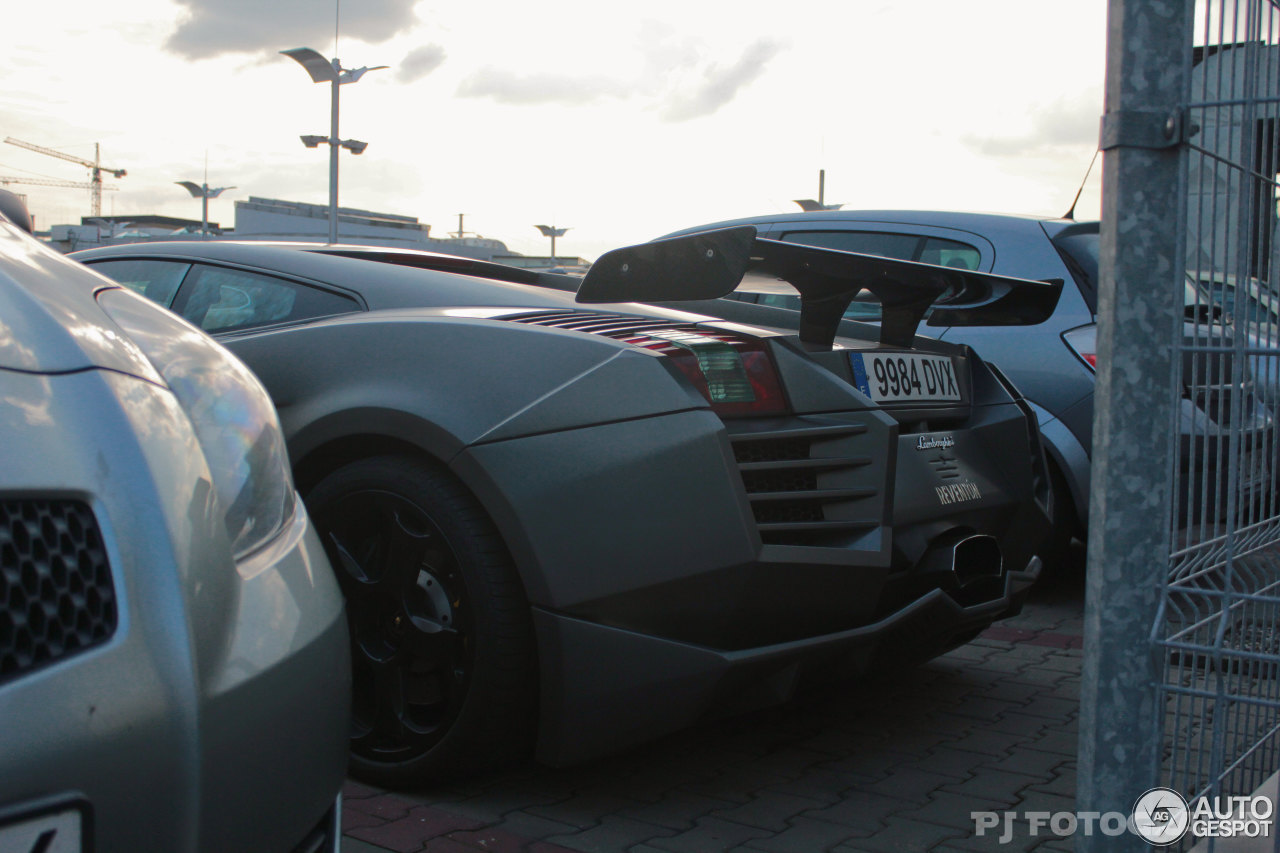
(334, 143)
(1139, 322)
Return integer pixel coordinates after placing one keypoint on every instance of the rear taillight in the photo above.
(736, 375)
(1084, 343)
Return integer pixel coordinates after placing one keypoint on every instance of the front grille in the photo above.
(56, 592)
(819, 483)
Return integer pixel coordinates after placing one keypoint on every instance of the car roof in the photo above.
(385, 278)
(963, 220)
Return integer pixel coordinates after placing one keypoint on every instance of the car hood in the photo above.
(50, 321)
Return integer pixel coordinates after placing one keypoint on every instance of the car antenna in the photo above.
(1071, 213)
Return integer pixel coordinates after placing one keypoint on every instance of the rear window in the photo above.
(903, 247)
(1078, 246)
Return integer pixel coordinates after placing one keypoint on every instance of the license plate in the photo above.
(51, 832)
(896, 377)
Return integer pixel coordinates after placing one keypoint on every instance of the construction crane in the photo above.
(95, 170)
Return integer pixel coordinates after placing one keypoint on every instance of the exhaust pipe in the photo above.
(967, 557)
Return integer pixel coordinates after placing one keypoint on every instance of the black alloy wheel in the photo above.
(441, 642)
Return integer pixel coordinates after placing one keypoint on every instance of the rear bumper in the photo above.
(605, 688)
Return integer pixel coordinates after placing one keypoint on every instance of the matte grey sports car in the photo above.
(173, 650)
(588, 521)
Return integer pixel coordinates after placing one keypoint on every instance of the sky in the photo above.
(620, 125)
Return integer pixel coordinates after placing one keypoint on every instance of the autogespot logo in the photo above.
(1161, 816)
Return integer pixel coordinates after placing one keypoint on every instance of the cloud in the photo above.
(212, 28)
(420, 62)
(513, 89)
(1063, 124)
(718, 86)
(674, 79)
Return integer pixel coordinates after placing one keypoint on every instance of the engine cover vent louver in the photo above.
(813, 484)
(56, 592)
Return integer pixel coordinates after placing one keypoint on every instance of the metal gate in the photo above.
(1184, 550)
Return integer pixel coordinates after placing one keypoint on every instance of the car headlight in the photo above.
(230, 411)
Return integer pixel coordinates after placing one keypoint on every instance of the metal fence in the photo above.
(1184, 551)
(1218, 633)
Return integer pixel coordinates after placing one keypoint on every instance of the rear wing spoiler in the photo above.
(712, 264)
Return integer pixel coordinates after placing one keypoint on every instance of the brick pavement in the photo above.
(897, 763)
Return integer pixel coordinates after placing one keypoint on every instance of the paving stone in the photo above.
(875, 763)
(527, 826)
(1028, 761)
(773, 811)
(1012, 691)
(825, 786)
(805, 835)
(410, 832)
(901, 836)
(1065, 744)
(1000, 788)
(1037, 801)
(990, 841)
(983, 707)
(679, 811)
(1064, 661)
(384, 806)
(1015, 722)
(739, 786)
(353, 790)
(863, 811)
(1027, 674)
(992, 741)
(913, 783)
(956, 763)
(954, 810)
(1049, 706)
(352, 818)
(355, 845)
(611, 834)
(1063, 784)
(710, 834)
(496, 804)
(582, 810)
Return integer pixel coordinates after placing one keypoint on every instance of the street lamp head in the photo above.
(351, 75)
(355, 146)
(192, 187)
(321, 70)
(313, 140)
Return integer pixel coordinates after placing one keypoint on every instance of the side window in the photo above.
(218, 299)
(156, 280)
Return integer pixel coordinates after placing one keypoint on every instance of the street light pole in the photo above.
(331, 71)
(334, 142)
(552, 232)
(203, 192)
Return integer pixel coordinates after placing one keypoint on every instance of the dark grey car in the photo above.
(587, 521)
(1051, 363)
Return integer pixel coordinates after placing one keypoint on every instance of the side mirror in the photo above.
(13, 209)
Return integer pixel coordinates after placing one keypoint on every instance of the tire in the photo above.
(443, 656)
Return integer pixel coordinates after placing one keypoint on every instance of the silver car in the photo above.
(173, 652)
